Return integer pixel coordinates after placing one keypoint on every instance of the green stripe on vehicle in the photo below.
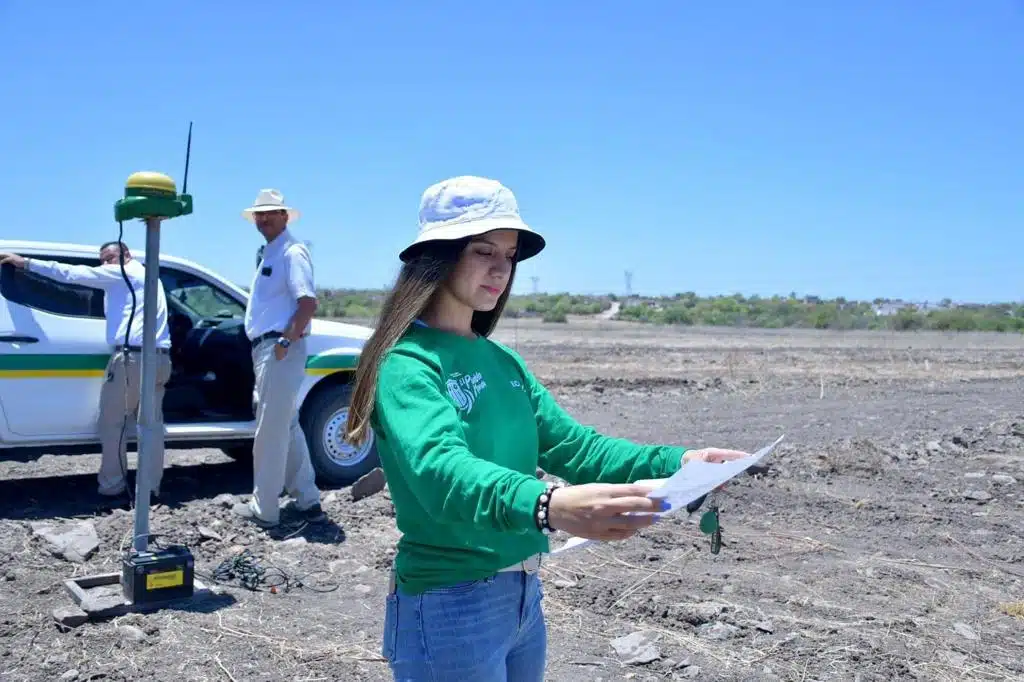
(57, 362)
(43, 365)
(328, 364)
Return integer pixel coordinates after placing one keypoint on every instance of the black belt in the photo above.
(138, 349)
(263, 337)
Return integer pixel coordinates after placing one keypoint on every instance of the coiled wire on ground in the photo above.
(244, 570)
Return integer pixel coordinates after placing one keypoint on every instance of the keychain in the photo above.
(709, 521)
(709, 525)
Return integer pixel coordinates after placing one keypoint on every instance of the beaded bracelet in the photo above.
(543, 503)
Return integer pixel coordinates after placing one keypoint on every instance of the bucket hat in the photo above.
(469, 206)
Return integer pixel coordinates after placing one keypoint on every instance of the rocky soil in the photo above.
(885, 541)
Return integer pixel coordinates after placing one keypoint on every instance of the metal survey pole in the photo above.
(150, 432)
(151, 197)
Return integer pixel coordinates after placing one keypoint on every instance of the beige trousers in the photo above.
(280, 455)
(119, 405)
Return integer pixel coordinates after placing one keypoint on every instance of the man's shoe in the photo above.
(111, 494)
(314, 514)
(244, 510)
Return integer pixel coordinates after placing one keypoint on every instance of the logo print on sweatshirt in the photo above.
(464, 389)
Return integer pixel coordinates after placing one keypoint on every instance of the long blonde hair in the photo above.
(418, 283)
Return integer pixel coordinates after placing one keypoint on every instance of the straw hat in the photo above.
(270, 200)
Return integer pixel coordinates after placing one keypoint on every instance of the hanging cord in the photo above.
(124, 358)
(244, 570)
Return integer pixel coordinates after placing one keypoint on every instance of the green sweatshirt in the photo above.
(461, 428)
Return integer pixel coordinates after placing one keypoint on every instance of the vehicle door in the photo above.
(7, 336)
(213, 381)
(53, 355)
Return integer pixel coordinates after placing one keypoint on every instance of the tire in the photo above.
(323, 420)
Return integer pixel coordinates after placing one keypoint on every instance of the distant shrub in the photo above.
(734, 310)
(555, 316)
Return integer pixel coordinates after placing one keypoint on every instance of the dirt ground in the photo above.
(884, 542)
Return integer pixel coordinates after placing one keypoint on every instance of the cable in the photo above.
(246, 571)
(124, 356)
(151, 537)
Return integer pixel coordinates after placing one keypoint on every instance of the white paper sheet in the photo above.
(693, 480)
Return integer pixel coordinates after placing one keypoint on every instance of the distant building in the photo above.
(893, 307)
(890, 307)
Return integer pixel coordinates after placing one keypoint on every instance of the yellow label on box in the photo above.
(158, 581)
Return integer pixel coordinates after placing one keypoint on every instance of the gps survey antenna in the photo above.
(151, 198)
(150, 579)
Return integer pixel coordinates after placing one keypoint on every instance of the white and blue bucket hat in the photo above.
(468, 206)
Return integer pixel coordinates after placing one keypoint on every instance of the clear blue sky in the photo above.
(869, 148)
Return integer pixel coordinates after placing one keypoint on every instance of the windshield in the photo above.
(200, 297)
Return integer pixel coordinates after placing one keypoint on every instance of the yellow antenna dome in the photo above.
(148, 180)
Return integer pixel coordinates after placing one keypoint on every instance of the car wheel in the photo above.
(323, 421)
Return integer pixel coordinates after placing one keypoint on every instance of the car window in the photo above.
(35, 291)
(199, 296)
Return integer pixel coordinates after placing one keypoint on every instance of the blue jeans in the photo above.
(489, 630)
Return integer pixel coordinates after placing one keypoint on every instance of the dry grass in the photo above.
(1014, 608)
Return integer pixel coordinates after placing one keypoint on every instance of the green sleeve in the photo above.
(431, 454)
(579, 454)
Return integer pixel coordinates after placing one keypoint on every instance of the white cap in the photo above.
(467, 206)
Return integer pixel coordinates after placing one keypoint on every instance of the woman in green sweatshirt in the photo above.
(461, 427)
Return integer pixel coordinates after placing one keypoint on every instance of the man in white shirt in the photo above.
(282, 300)
(119, 397)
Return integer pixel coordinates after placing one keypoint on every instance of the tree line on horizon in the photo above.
(735, 310)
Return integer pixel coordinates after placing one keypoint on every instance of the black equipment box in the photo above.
(158, 576)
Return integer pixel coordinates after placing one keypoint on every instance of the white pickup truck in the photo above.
(53, 354)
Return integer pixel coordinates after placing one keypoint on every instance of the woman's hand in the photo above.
(597, 511)
(713, 455)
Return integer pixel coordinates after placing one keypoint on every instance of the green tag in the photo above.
(709, 522)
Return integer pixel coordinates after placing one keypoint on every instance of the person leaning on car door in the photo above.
(119, 397)
(282, 300)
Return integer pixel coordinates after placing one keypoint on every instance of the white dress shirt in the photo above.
(117, 301)
(284, 275)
